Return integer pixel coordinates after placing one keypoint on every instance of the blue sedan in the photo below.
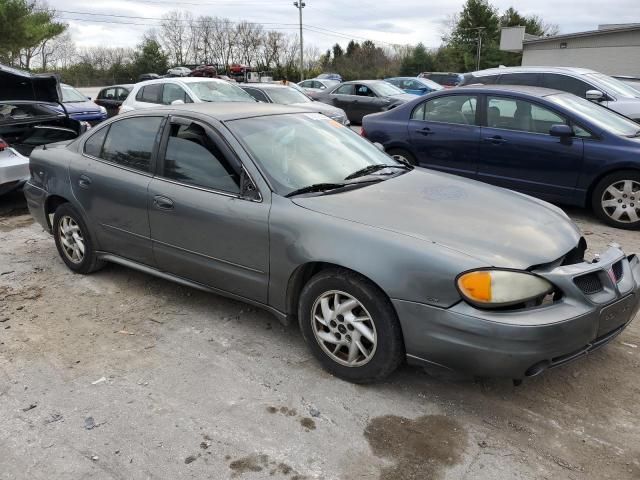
(545, 143)
(80, 107)
(414, 85)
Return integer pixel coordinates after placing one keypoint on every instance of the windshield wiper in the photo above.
(374, 168)
(316, 187)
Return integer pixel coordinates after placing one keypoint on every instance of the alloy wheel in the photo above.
(621, 201)
(344, 329)
(71, 239)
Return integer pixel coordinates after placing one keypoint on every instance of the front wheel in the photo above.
(616, 199)
(350, 326)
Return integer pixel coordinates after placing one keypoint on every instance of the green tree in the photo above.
(337, 51)
(26, 27)
(419, 60)
(352, 48)
(149, 58)
(477, 19)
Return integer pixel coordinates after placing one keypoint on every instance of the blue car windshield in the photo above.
(71, 95)
(298, 150)
(604, 118)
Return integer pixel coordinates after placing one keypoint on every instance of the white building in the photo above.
(612, 49)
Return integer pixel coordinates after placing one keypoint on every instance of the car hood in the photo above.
(499, 227)
(319, 107)
(20, 85)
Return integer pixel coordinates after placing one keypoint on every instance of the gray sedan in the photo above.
(376, 260)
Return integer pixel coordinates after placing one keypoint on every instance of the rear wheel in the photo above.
(350, 326)
(616, 199)
(402, 155)
(73, 241)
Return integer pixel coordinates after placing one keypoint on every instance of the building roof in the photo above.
(632, 27)
(542, 69)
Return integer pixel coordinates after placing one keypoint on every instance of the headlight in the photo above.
(501, 288)
(103, 110)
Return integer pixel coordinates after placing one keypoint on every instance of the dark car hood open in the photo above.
(20, 85)
(496, 226)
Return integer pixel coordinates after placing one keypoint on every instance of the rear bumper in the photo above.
(520, 343)
(36, 199)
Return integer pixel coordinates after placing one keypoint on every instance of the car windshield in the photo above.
(385, 89)
(71, 95)
(287, 96)
(614, 85)
(299, 150)
(212, 91)
(596, 114)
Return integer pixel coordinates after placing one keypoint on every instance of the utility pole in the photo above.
(300, 5)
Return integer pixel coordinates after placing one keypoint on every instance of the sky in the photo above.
(384, 21)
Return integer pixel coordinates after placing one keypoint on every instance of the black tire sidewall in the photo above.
(89, 262)
(404, 153)
(599, 190)
(390, 347)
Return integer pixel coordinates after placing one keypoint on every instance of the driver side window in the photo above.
(192, 157)
(364, 91)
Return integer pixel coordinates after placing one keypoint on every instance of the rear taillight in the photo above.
(3, 145)
(363, 133)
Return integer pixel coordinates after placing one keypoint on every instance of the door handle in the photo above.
(84, 181)
(496, 140)
(425, 131)
(163, 203)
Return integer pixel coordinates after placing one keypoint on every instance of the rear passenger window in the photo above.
(150, 93)
(93, 146)
(193, 158)
(565, 83)
(456, 109)
(130, 142)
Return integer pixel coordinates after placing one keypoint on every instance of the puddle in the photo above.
(422, 448)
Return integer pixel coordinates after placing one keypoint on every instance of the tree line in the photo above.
(35, 38)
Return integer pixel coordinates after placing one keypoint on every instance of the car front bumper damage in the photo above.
(598, 301)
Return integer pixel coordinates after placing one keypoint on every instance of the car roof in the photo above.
(123, 85)
(186, 80)
(223, 111)
(533, 91)
(497, 71)
(264, 85)
(364, 82)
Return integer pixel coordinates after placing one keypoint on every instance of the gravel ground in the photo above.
(119, 375)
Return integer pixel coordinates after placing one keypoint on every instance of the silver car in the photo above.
(376, 260)
(608, 91)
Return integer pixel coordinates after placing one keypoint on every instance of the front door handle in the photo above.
(163, 203)
(84, 181)
(425, 131)
(496, 140)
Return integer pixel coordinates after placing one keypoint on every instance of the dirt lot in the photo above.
(119, 375)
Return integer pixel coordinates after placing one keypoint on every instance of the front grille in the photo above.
(617, 270)
(589, 283)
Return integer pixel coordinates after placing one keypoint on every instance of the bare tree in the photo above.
(175, 35)
(249, 39)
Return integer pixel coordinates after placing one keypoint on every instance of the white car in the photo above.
(316, 85)
(14, 168)
(174, 91)
(179, 71)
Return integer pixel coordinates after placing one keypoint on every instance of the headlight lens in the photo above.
(103, 110)
(501, 288)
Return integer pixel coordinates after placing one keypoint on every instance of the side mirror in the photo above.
(177, 102)
(88, 98)
(561, 131)
(594, 95)
(379, 146)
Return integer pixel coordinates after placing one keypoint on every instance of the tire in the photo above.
(403, 154)
(77, 238)
(621, 191)
(373, 361)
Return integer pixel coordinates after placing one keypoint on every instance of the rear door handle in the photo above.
(163, 203)
(425, 131)
(84, 181)
(496, 140)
